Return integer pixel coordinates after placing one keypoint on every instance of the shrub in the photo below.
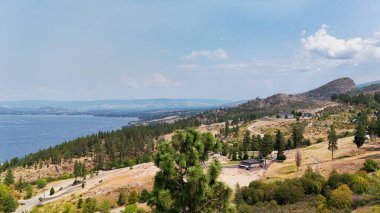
(41, 183)
(7, 201)
(341, 198)
(359, 185)
(122, 199)
(289, 191)
(144, 196)
(311, 186)
(89, 205)
(319, 140)
(28, 191)
(281, 157)
(68, 208)
(370, 165)
(133, 197)
(336, 179)
(105, 206)
(52, 191)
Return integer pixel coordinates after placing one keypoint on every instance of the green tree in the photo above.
(280, 145)
(246, 141)
(297, 135)
(89, 205)
(254, 144)
(226, 128)
(121, 201)
(359, 136)
(52, 191)
(8, 202)
(333, 141)
(9, 178)
(181, 185)
(266, 146)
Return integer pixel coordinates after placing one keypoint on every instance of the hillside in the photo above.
(311, 98)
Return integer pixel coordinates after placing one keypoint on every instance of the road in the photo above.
(67, 189)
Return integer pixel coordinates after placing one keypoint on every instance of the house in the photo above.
(285, 115)
(249, 163)
(307, 115)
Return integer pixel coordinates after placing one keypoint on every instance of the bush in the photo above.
(28, 191)
(144, 196)
(52, 191)
(359, 185)
(319, 140)
(68, 208)
(341, 198)
(133, 197)
(281, 157)
(289, 191)
(105, 206)
(41, 183)
(310, 186)
(7, 201)
(336, 179)
(122, 199)
(89, 206)
(370, 165)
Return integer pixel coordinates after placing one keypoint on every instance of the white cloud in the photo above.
(153, 80)
(217, 54)
(323, 44)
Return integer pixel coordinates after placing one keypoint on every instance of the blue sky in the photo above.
(86, 50)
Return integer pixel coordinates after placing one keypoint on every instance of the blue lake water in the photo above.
(23, 134)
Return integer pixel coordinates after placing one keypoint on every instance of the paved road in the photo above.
(67, 189)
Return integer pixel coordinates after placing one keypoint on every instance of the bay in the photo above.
(23, 134)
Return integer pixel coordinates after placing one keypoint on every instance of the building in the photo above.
(285, 115)
(307, 115)
(249, 163)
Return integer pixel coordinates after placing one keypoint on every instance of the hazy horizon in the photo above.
(127, 50)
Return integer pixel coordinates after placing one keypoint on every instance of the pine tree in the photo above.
(333, 141)
(297, 135)
(280, 145)
(246, 141)
(181, 185)
(226, 128)
(254, 145)
(9, 178)
(266, 146)
(359, 136)
(298, 159)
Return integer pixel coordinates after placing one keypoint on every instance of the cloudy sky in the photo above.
(86, 50)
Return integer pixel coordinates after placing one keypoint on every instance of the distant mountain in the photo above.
(360, 86)
(127, 105)
(313, 97)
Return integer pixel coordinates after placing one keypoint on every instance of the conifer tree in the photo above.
(280, 145)
(9, 178)
(181, 185)
(359, 136)
(333, 141)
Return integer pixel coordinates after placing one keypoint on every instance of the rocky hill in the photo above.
(313, 97)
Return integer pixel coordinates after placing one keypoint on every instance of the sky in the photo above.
(234, 50)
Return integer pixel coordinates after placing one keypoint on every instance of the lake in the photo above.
(23, 134)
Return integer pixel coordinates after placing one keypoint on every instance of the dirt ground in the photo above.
(346, 159)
